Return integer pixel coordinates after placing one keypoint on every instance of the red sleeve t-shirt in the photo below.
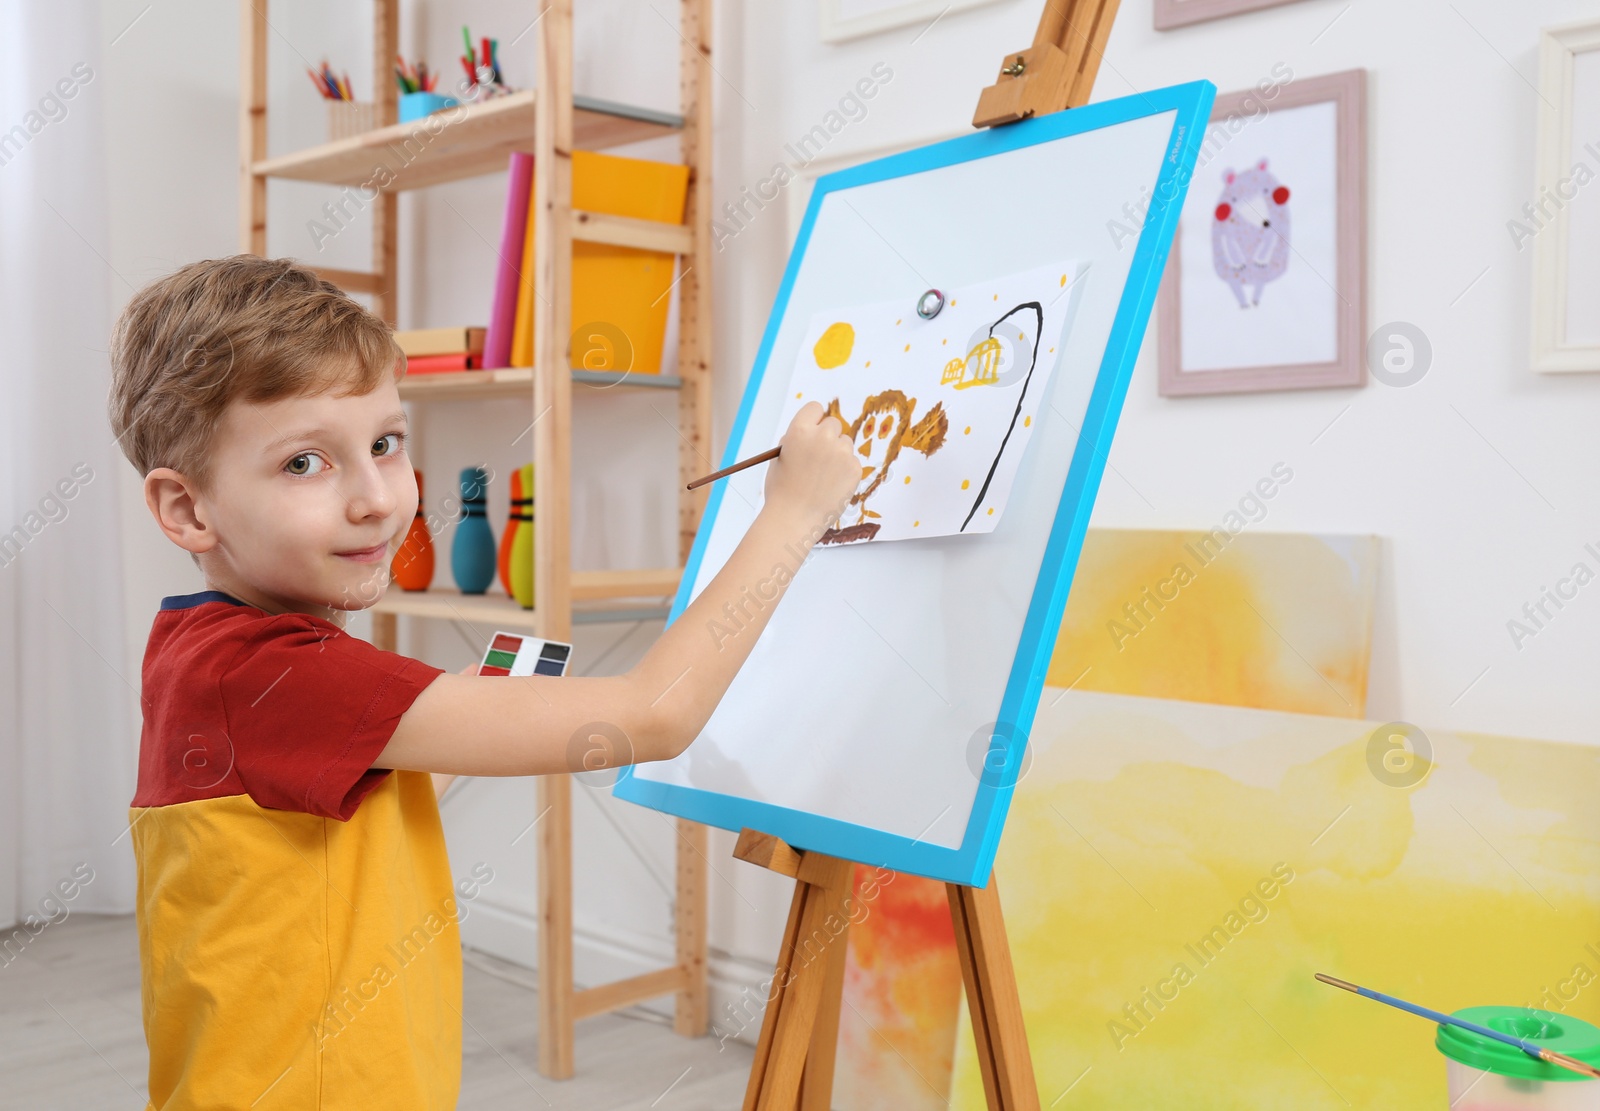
(298, 927)
(288, 709)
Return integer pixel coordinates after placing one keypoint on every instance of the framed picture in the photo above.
(1181, 13)
(1561, 225)
(851, 19)
(1265, 288)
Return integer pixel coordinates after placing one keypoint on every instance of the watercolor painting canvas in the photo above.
(940, 409)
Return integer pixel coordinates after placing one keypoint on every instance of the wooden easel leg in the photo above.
(816, 1084)
(996, 1009)
(775, 998)
(815, 937)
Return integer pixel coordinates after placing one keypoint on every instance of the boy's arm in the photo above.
(537, 725)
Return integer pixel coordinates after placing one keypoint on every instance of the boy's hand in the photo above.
(817, 470)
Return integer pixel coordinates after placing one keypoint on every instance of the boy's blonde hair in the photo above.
(242, 327)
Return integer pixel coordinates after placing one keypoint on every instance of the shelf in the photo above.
(455, 385)
(597, 597)
(478, 139)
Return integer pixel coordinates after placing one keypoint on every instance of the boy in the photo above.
(297, 927)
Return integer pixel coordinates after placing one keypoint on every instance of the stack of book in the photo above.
(430, 350)
(620, 295)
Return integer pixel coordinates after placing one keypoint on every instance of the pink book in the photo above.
(503, 317)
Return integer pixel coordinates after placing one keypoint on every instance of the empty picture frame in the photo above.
(1265, 286)
(1181, 13)
(1562, 222)
(843, 20)
(883, 714)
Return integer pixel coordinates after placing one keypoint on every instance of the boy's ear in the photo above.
(170, 496)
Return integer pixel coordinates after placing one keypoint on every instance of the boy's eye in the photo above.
(384, 446)
(305, 464)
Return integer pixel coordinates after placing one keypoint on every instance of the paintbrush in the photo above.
(770, 453)
(1443, 1019)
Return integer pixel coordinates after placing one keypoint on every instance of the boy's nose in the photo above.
(368, 495)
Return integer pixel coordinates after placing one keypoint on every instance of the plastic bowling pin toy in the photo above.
(521, 556)
(413, 563)
(472, 551)
(517, 540)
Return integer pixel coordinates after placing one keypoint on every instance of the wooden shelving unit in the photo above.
(549, 122)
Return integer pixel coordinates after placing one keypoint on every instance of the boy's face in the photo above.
(310, 499)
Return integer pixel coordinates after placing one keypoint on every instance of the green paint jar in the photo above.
(1486, 1075)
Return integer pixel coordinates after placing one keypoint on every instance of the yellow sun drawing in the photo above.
(833, 349)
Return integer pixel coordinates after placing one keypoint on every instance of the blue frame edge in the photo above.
(971, 863)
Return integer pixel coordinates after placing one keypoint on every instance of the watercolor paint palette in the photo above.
(513, 654)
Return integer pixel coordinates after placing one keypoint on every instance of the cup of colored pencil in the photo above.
(482, 67)
(417, 98)
(346, 115)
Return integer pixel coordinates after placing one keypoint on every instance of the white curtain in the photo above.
(68, 697)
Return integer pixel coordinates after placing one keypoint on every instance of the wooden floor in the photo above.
(70, 1037)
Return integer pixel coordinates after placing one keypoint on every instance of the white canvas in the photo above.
(871, 697)
(941, 410)
(1296, 319)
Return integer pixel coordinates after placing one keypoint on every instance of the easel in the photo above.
(793, 1068)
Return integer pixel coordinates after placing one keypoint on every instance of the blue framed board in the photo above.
(883, 715)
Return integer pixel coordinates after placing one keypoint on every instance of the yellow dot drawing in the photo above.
(800, 395)
(908, 480)
(1026, 421)
(991, 511)
(997, 297)
(968, 431)
(908, 347)
(952, 302)
(1063, 279)
(943, 342)
(867, 363)
(983, 360)
(1052, 351)
(914, 524)
(897, 323)
(833, 349)
(965, 482)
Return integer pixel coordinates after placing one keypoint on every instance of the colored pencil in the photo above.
(770, 453)
(1537, 1052)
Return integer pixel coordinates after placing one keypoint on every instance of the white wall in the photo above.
(1480, 478)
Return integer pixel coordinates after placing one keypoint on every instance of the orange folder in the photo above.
(620, 295)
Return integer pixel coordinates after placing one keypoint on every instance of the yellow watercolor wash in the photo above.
(1257, 594)
(834, 348)
(1142, 823)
